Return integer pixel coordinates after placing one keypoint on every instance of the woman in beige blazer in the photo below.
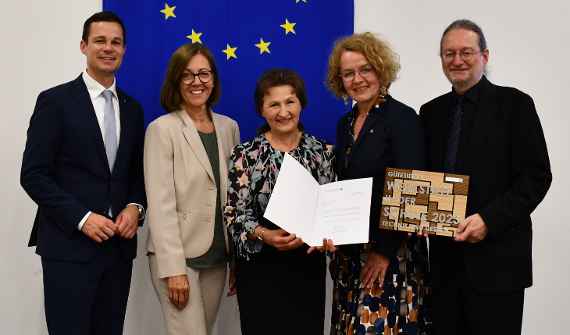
(185, 164)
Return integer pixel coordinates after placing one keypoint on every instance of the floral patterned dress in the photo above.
(390, 137)
(279, 292)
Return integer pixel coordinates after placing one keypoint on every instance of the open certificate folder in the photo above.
(339, 211)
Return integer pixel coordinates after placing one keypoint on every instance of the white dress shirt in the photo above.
(95, 90)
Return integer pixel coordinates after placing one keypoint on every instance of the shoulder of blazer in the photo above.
(500, 92)
(342, 124)
(223, 120)
(168, 120)
(436, 103)
(64, 91)
(394, 109)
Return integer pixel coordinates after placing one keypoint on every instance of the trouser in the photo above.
(458, 308)
(87, 298)
(199, 315)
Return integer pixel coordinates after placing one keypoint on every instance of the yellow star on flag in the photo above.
(263, 46)
(230, 52)
(168, 11)
(195, 37)
(289, 27)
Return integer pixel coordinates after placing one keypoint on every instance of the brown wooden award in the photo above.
(415, 201)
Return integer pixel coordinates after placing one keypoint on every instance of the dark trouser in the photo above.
(87, 298)
(460, 309)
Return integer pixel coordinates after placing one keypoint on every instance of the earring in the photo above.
(383, 93)
(345, 100)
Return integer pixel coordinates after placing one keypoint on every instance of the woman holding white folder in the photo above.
(280, 287)
(379, 287)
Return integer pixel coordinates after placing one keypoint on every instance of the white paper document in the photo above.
(339, 211)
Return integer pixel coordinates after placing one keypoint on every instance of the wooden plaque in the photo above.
(415, 200)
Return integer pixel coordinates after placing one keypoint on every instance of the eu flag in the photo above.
(246, 37)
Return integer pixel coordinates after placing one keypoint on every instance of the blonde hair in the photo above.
(379, 54)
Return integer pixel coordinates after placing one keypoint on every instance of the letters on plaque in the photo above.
(415, 201)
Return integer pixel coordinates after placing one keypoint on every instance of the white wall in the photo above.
(529, 50)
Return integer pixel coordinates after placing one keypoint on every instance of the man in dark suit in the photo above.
(83, 167)
(493, 134)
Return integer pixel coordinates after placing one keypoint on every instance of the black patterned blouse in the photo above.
(253, 171)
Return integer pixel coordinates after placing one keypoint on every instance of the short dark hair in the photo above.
(279, 77)
(467, 25)
(170, 97)
(105, 16)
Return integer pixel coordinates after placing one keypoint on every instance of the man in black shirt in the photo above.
(493, 134)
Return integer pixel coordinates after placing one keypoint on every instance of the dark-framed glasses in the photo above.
(466, 55)
(365, 71)
(204, 76)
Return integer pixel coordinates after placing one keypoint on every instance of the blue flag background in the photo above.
(301, 34)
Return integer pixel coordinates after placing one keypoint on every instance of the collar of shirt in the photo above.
(471, 95)
(95, 88)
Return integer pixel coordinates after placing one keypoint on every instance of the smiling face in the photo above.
(461, 59)
(104, 50)
(281, 109)
(197, 82)
(359, 78)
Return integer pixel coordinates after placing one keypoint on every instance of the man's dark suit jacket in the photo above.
(390, 137)
(65, 170)
(503, 151)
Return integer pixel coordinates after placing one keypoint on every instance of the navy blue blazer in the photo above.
(65, 170)
(503, 150)
(390, 137)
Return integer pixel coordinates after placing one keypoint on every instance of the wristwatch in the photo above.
(142, 212)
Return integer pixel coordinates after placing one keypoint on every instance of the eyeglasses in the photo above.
(203, 75)
(466, 55)
(366, 71)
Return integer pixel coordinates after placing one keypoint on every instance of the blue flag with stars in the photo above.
(246, 37)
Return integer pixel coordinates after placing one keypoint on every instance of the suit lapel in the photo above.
(123, 114)
(84, 108)
(369, 124)
(191, 135)
(221, 156)
(443, 122)
(223, 163)
(482, 121)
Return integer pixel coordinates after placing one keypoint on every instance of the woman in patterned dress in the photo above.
(280, 286)
(379, 287)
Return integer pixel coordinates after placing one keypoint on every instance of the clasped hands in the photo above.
(99, 228)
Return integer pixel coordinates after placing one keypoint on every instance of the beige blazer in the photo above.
(180, 187)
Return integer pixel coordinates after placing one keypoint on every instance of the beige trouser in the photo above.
(199, 315)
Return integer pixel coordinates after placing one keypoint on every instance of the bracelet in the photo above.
(260, 234)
